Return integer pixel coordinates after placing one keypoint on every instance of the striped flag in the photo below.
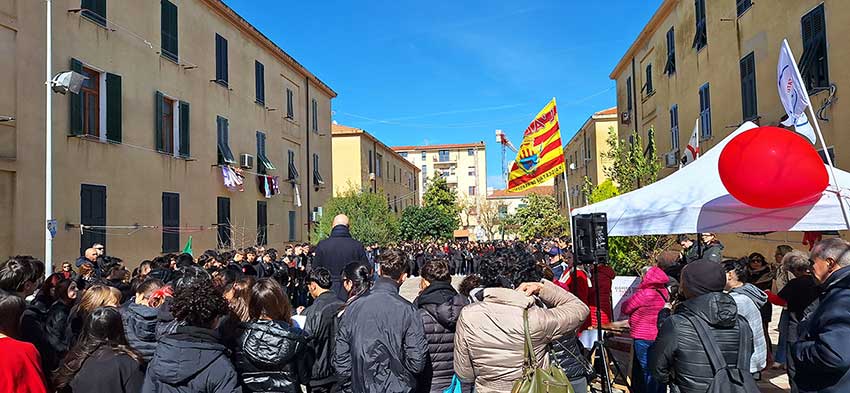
(540, 156)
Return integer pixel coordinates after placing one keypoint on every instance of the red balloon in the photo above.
(771, 167)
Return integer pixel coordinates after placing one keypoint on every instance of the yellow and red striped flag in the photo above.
(540, 156)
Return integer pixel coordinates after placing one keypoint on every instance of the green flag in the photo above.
(188, 248)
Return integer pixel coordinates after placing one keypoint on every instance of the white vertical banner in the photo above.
(793, 94)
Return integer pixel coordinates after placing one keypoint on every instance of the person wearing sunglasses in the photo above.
(822, 355)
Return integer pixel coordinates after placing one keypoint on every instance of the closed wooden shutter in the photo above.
(113, 108)
(748, 87)
(223, 222)
(184, 129)
(157, 120)
(170, 222)
(262, 223)
(168, 28)
(76, 100)
(92, 213)
(260, 82)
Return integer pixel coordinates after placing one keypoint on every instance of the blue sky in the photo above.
(413, 72)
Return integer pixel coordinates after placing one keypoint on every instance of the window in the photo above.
(90, 92)
(315, 116)
(95, 10)
(814, 66)
(259, 82)
(263, 162)
(424, 175)
(317, 177)
(220, 60)
(371, 164)
(424, 156)
(472, 190)
(743, 6)
(701, 35)
(674, 127)
(748, 87)
(470, 152)
(395, 178)
(292, 226)
(92, 213)
(503, 211)
(403, 154)
(629, 94)
(470, 171)
(648, 86)
(171, 130)
(292, 170)
(670, 66)
(704, 112)
(96, 109)
(223, 222)
(379, 160)
(168, 29)
(443, 155)
(262, 223)
(170, 222)
(290, 108)
(225, 156)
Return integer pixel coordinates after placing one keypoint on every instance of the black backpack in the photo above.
(727, 378)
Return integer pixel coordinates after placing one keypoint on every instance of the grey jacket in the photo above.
(750, 300)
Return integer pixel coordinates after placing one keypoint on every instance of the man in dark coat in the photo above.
(321, 327)
(678, 357)
(140, 319)
(380, 344)
(439, 306)
(822, 355)
(337, 251)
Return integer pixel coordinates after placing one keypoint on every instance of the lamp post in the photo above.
(48, 148)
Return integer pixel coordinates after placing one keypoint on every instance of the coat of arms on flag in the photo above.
(540, 155)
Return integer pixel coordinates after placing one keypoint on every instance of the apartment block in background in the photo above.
(584, 156)
(364, 163)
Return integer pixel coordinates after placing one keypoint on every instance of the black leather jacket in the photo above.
(679, 356)
(272, 356)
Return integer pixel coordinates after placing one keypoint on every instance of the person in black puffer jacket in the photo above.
(439, 306)
(140, 320)
(678, 357)
(191, 360)
(271, 355)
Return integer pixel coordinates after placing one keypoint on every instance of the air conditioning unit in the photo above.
(372, 176)
(671, 159)
(246, 161)
(626, 117)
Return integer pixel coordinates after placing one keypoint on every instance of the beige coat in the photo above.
(489, 336)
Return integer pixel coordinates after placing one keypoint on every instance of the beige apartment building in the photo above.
(716, 61)
(364, 163)
(584, 158)
(463, 165)
(179, 94)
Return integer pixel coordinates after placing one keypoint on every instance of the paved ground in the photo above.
(773, 381)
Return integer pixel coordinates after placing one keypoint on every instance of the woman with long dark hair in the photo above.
(101, 360)
(270, 353)
(356, 281)
(65, 293)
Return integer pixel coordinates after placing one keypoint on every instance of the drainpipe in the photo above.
(309, 174)
(635, 98)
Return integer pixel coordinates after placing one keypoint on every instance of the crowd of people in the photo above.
(330, 318)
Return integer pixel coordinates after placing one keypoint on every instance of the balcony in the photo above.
(444, 160)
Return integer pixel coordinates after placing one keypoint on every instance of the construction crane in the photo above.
(502, 139)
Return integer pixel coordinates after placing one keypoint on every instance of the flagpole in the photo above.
(569, 210)
(814, 121)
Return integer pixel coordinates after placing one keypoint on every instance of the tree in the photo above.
(490, 217)
(631, 168)
(539, 218)
(371, 220)
(466, 207)
(439, 195)
(426, 223)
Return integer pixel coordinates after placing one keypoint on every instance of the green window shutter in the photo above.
(184, 129)
(113, 108)
(157, 120)
(76, 100)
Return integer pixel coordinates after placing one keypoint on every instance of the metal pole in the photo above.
(48, 147)
(569, 211)
(834, 182)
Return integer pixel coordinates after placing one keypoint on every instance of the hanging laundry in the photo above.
(233, 179)
(275, 185)
(297, 195)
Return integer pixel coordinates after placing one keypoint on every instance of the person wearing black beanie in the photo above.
(679, 356)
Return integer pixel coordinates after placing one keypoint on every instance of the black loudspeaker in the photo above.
(591, 238)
